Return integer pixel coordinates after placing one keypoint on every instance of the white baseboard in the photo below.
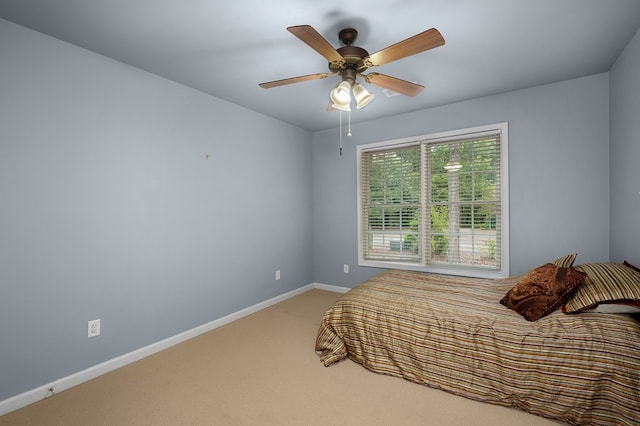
(41, 392)
(333, 288)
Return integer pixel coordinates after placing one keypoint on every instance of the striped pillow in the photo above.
(565, 261)
(605, 283)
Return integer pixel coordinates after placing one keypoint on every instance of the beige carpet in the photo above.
(259, 370)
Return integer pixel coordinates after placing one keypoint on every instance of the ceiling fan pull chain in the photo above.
(349, 116)
(340, 130)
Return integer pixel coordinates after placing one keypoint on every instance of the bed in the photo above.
(452, 333)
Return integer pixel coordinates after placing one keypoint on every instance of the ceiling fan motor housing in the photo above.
(353, 56)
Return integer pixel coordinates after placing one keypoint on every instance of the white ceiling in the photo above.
(226, 48)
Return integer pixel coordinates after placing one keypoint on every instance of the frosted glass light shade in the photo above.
(341, 96)
(362, 95)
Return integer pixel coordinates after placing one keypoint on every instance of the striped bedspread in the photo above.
(451, 333)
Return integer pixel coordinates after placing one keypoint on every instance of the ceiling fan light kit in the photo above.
(350, 62)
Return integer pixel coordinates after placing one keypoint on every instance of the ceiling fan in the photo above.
(351, 61)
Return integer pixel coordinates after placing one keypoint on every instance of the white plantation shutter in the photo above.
(436, 203)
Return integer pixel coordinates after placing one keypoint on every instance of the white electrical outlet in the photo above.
(278, 274)
(345, 268)
(94, 328)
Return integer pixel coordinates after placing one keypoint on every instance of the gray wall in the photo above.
(109, 208)
(625, 155)
(558, 172)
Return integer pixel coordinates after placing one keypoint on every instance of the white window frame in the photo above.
(462, 270)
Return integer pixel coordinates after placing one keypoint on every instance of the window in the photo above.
(436, 203)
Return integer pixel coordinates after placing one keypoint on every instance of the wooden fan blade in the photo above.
(418, 43)
(314, 39)
(395, 84)
(292, 80)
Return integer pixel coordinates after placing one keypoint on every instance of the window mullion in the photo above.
(425, 202)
